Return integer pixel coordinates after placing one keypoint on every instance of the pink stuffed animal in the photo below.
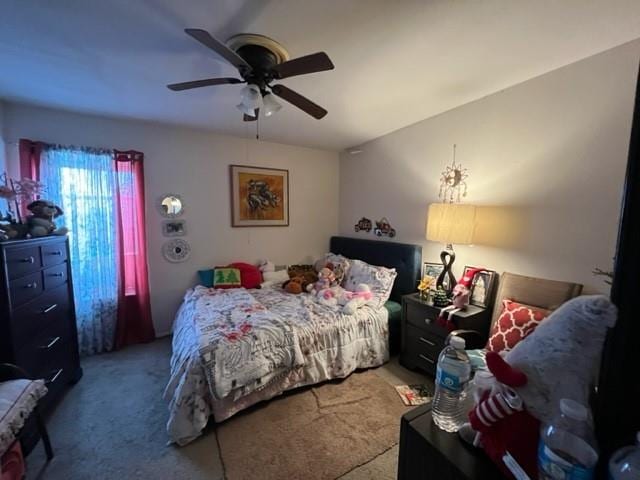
(354, 300)
(325, 279)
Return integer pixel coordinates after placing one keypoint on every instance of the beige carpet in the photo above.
(111, 425)
(318, 433)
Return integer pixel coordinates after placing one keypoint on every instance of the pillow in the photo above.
(250, 275)
(206, 277)
(516, 321)
(379, 279)
(226, 277)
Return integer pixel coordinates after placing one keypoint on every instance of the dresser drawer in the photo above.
(46, 350)
(21, 261)
(23, 289)
(54, 276)
(53, 254)
(30, 319)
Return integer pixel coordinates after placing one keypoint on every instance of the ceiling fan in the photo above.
(260, 61)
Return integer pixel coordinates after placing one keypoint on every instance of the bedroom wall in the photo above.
(554, 147)
(195, 165)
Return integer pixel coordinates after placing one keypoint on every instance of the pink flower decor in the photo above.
(7, 193)
(28, 189)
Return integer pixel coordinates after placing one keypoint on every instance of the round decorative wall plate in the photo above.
(177, 250)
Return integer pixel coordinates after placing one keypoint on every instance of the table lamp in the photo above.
(450, 223)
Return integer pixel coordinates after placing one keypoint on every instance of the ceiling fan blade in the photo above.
(220, 48)
(249, 118)
(303, 103)
(176, 87)
(316, 62)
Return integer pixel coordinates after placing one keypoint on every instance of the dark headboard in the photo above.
(405, 258)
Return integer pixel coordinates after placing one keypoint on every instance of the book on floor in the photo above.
(413, 395)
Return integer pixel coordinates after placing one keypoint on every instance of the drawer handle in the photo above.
(31, 285)
(57, 252)
(428, 342)
(428, 321)
(55, 377)
(59, 274)
(50, 307)
(51, 343)
(427, 359)
(28, 260)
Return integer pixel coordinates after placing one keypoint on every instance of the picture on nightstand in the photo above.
(434, 270)
(482, 287)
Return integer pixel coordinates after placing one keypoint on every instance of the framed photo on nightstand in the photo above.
(482, 287)
(432, 269)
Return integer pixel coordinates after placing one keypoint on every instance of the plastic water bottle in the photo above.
(568, 445)
(625, 463)
(451, 401)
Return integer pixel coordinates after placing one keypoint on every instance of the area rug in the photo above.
(316, 433)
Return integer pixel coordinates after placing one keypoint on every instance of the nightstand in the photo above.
(423, 339)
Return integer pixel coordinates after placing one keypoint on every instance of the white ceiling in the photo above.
(397, 62)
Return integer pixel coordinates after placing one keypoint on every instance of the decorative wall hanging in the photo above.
(383, 227)
(363, 224)
(259, 197)
(170, 205)
(174, 228)
(453, 185)
(176, 250)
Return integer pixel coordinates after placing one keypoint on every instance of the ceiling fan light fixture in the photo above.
(246, 110)
(271, 105)
(251, 97)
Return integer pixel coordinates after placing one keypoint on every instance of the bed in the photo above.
(235, 348)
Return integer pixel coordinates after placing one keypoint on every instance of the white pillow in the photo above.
(379, 279)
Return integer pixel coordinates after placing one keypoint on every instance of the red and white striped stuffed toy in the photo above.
(500, 422)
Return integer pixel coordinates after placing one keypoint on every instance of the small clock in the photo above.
(177, 250)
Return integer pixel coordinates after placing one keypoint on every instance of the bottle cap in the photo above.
(574, 410)
(457, 342)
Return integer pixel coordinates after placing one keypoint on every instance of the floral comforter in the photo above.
(234, 348)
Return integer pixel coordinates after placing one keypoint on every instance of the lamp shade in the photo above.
(451, 223)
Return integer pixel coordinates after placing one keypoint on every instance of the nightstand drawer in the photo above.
(423, 341)
(420, 315)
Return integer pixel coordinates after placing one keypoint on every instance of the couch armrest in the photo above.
(473, 339)
(9, 371)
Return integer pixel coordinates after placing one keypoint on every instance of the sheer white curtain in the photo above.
(81, 181)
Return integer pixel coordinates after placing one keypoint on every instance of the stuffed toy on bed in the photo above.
(352, 301)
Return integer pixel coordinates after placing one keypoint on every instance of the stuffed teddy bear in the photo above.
(354, 300)
(294, 285)
(40, 222)
(560, 359)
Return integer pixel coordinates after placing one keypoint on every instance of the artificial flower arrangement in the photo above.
(16, 192)
(424, 287)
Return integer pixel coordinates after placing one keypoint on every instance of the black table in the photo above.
(428, 453)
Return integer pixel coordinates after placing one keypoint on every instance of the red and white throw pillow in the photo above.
(516, 321)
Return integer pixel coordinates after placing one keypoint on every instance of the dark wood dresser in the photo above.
(37, 314)
(423, 339)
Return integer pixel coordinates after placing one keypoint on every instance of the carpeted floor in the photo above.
(111, 425)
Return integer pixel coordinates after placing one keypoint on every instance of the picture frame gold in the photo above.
(259, 196)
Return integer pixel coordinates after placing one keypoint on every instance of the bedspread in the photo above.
(242, 344)
(317, 342)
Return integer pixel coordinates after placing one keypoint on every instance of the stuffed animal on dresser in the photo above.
(40, 222)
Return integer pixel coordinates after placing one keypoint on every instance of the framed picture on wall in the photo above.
(174, 228)
(482, 287)
(433, 269)
(259, 196)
